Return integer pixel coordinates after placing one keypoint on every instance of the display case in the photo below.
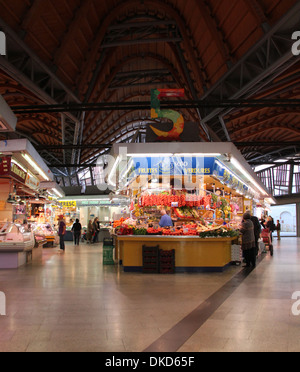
(46, 232)
(15, 238)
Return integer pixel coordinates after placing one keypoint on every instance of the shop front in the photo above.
(87, 208)
(26, 207)
(204, 188)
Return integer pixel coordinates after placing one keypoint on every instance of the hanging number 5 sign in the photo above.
(174, 116)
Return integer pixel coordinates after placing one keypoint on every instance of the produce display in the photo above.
(192, 229)
(205, 215)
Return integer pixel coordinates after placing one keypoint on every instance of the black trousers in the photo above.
(250, 256)
(62, 242)
(77, 235)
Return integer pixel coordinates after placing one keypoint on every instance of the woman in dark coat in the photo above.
(248, 240)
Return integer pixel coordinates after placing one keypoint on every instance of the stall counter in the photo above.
(192, 254)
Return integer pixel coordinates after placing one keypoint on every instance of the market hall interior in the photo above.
(69, 301)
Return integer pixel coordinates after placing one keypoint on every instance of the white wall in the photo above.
(288, 218)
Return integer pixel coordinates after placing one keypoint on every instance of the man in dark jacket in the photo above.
(77, 232)
(248, 240)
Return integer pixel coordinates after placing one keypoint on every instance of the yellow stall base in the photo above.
(192, 254)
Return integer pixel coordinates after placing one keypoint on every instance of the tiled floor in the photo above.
(70, 302)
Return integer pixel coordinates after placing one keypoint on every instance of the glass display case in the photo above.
(15, 238)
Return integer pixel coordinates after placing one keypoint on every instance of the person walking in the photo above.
(271, 226)
(62, 228)
(96, 228)
(76, 229)
(257, 231)
(278, 229)
(90, 232)
(248, 240)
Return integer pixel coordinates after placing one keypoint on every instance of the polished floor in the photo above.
(72, 303)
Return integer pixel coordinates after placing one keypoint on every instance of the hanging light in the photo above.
(11, 199)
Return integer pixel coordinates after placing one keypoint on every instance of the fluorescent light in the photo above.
(237, 165)
(149, 155)
(19, 165)
(171, 155)
(261, 168)
(114, 168)
(36, 167)
(198, 155)
(57, 193)
(270, 201)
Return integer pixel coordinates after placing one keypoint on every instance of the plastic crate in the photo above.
(150, 260)
(167, 262)
(108, 255)
(108, 242)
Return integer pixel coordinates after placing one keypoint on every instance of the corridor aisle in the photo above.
(71, 302)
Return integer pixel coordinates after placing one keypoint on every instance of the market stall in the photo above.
(16, 245)
(26, 202)
(205, 193)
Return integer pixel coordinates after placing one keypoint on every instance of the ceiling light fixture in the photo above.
(36, 167)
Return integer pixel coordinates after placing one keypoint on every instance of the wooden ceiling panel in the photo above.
(103, 51)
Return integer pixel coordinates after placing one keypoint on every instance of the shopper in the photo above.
(62, 228)
(271, 226)
(90, 232)
(278, 228)
(96, 228)
(257, 231)
(248, 240)
(76, 229)
(166, 220)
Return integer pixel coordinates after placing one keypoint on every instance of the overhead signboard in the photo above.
(32, 182)
(18, 173)
(5, 165)
(173, 166)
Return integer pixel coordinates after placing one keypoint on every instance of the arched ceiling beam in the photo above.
(258, 13)
(80, 16)
(110, 78)
(268, 128)
(267, 60)
(121, 10)
(249, 124)
(212, 25)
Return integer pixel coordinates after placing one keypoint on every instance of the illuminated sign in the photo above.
(18, 173)
(69, 204)
(5, 165)
(32, 182)
(174, 166)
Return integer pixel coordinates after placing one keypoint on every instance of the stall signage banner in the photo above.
(94, 203)
(5, 166)
(69, 204)
(32, 182)
(17, 173)
(228, 178)
(175, 166)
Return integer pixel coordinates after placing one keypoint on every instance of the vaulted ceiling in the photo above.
(112, 51)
